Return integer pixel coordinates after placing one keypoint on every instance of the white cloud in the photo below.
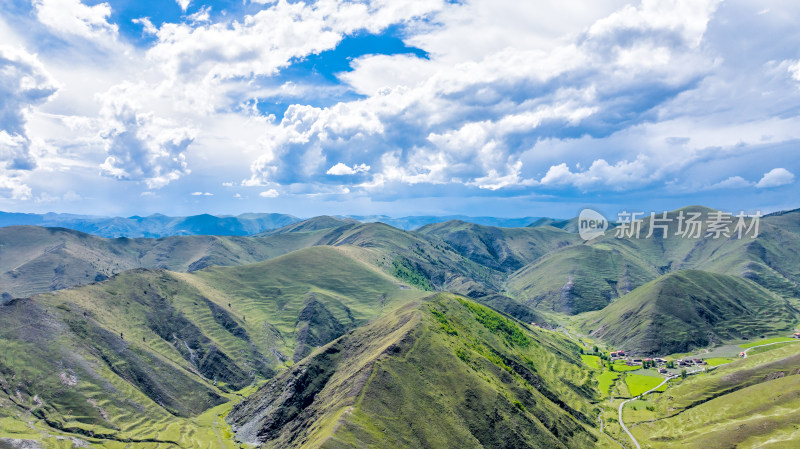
(734, 182)
(73, 17)
(341, 169)
(202, 194)
(23, 83)
(203, 15)
(470, 122)
(775, 178)
(147, 25)
(183, 4)
(13, 188)
(140, 145)
(622, 175)
(511, 95)
(689, 18)
(271, 193)
(267, 40)
(794, 69)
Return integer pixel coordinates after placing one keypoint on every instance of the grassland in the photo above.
(638, 383)
(505, 385)
(767, 341)
(689, 309)
(717, 361)
(605, 381)
(328, 316)
(747, 403)
(147, 353)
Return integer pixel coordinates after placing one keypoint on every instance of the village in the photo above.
(664, 366)
(661, 365)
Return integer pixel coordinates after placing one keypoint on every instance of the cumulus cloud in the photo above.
(262, 43)
(73, 17)
(794, 69)
(471, 122)
(341, 169)
(183, 4)
(510, 97)
(140, 145)
(202, 194)
(622, 175)
(13, 188)
(271, 193)
(23, 83)
(775, 178)
(733, 182)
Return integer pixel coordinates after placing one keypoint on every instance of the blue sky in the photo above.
(398, 107)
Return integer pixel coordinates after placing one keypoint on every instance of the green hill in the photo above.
(36, 260)
(689, 309)
(579, 278)
(502, 249)
(147, 351)
(443, 373)
(748, 403)
(313, 224)
(588, 276)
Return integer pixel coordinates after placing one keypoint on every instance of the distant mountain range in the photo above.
(153, 226)
(158, 225)
(331, 332)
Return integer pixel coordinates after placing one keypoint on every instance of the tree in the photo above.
(683, 374)
(595, 349)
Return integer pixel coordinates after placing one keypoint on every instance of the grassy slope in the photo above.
(577, 279)
(748, 403)
(455, 372)
(148, 350)
(686, 309)
(36, 260)
(502, 249)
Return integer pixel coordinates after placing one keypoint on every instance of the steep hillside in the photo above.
(502, 249)
(690, 309)
(444, 373)
(146, 350)
(35, 260)
(748, 403)
(313, 224)
(579, 278)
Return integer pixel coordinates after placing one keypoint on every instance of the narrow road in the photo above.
(768, 344)
(622, 423)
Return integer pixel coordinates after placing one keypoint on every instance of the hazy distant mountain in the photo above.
(154, 226)
(158, 225)
(414, 222)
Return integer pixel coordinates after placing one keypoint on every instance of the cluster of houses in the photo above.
(658, 363)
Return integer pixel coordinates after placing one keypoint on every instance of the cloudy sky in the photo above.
(398, 107)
